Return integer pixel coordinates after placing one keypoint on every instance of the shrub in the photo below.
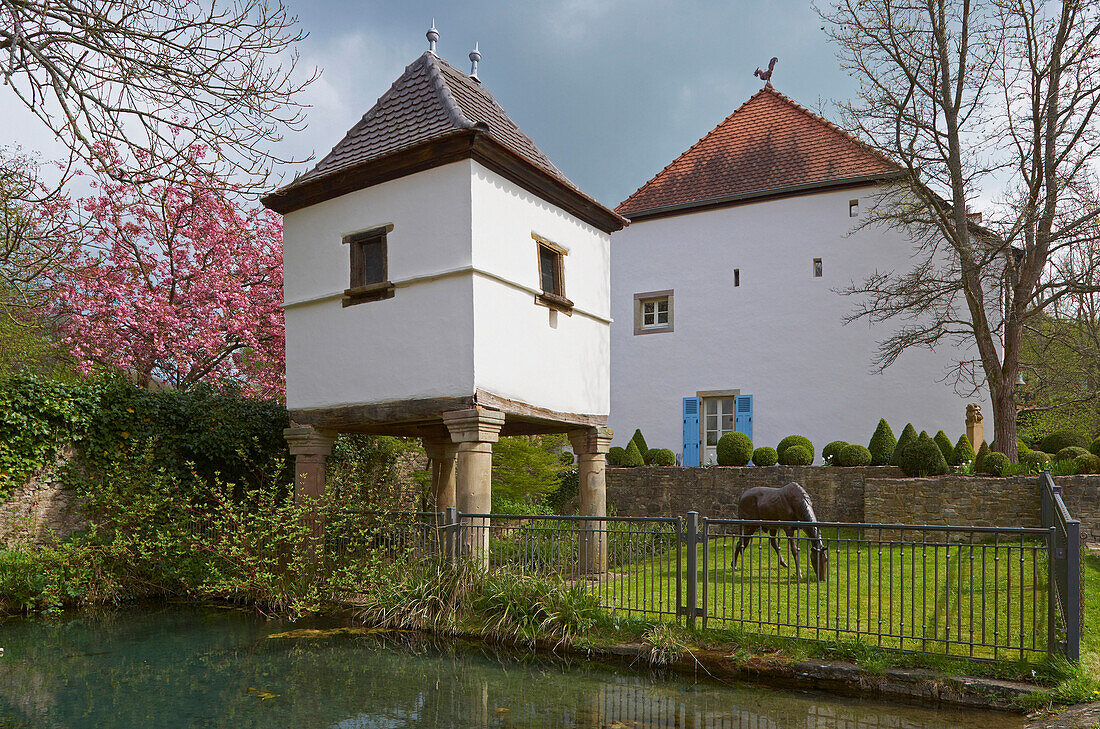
(1087, 463)
(791, 440)
(569, 484)
(923, 458)
(1095, 447)
(639, 440)
(946, 448)
(796, 455)
(882, 444)
(649, 455)
(908, 436)
(765, 456)
(828, 453)
(964, 451)
(1060, 439)
(1035, 461)
(979, 458)
(995, 464)
(1069, 453)
(853, 455)
(663, 457)
(632, 456)
(615, 455)
(734, 449)
(1021, 447)
(1063, 468)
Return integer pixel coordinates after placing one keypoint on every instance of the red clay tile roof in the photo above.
(767, 145)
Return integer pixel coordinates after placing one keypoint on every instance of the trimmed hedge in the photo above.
(765, 456)
(663, 457)
(908, 436)
(639, 440)
(1035, 460)
(797, 455)
(882, 444)
(615, 455)
(923, 458)
(1095, 447)
(1060, 439)
(649, 455)
(632, 456)
(791, 440)
(734, 449)
(946, 448)
(964, 451)
(853, 455)
(829, 452)
(995, 464)
(1087, 463)
(983, 451)
(1069, 453)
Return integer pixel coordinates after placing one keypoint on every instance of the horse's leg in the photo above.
(778, 550)
(743, 542)
(792, 542)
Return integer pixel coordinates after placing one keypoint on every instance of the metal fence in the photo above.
(1065, 569)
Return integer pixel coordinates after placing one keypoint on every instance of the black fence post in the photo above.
(1052, 585)
(1073, 590)
(453, 537)
(692, 539)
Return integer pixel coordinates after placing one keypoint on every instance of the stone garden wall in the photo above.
(871, 494)
(40, 510)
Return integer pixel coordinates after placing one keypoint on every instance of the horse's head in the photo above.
(819, 558)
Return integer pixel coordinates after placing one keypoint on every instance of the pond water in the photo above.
(185, 667)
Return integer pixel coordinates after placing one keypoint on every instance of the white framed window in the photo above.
(653, 312)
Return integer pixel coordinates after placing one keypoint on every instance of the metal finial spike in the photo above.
(433, 37)
(475, 56)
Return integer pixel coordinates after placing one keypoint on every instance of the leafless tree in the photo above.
(145, 79)
(993, 102)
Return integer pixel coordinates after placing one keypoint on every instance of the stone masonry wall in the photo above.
(41, 510)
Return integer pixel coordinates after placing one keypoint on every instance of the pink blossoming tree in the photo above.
(177, 283)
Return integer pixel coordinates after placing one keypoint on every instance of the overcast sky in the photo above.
(611, 90)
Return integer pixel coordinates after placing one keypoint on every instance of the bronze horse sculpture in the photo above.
(789, 503)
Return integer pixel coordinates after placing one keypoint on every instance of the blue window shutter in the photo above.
(691, 431)
(744, 415)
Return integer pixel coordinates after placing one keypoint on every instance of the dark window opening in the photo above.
(817, 268)
(550, 273)
(737, 277)
(369, 268)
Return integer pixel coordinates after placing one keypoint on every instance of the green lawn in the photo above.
(985, 600)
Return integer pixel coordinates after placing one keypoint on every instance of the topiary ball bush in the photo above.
(649, 455)
(908, 437)
(853, 455)
(765, 456)
(615, 455)
(797, 455)
(923, 458)
(1035, 461)
(734, 449)
(828, 453)
(1060, 439)
(633, 457)
(1087, 463)
(1069, 453)
(791, 440)
(882, 444)
(663, 457)
(1095, 447)
(995, 464)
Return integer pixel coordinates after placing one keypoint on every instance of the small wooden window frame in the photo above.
(640, 300)
(552, 299)
(359, 293)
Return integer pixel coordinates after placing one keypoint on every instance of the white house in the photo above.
(443, 279)
(726, 315)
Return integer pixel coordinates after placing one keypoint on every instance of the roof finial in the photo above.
(766, 76)
(433, 37)
(475, 56)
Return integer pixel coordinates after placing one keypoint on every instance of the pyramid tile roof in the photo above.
(769, 146)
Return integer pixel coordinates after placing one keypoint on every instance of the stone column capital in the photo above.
(309, 441)
(439, 449)
(591, 441)
(476, 425)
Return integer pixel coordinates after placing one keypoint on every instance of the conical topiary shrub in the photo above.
(882, 444)
(908, 436)
(639, 440)
(632, 456)
(983, 451)
(946, 448)
(964, 451)
(923, 457)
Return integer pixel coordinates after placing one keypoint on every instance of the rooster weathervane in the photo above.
(766, 76)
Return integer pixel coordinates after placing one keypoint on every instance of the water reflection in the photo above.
(188, 668)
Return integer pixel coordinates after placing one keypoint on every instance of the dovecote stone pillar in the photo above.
(474, 431)
(442, 454)
(591, 446)
(310, 448)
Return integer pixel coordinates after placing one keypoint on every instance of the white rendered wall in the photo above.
(778, 336)
(419, 343)
(519, 353)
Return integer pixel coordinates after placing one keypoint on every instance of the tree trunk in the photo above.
(1004, 415)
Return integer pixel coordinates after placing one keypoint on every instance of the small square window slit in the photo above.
(853, 208)
(817, 268)
(737, 277)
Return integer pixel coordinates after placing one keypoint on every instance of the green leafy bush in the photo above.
(791, 440)
(995, 464)
(964, 451)
(979, 458)
(1063, 468)
(526, 468)
(1095, 447)
(569, 483)
(1087, 463)
(796, 455)
(923, 458)
(882, 444)
(828, 453)
(853, 455)
(615, 455)
(908, 436)
(734, 449)
(663, 457)
(765, 456)
(1035, 461)
(649, 455)
(1060, 439)
(632, 456)
(639, 440)
(1069, 453)
(946, 448)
